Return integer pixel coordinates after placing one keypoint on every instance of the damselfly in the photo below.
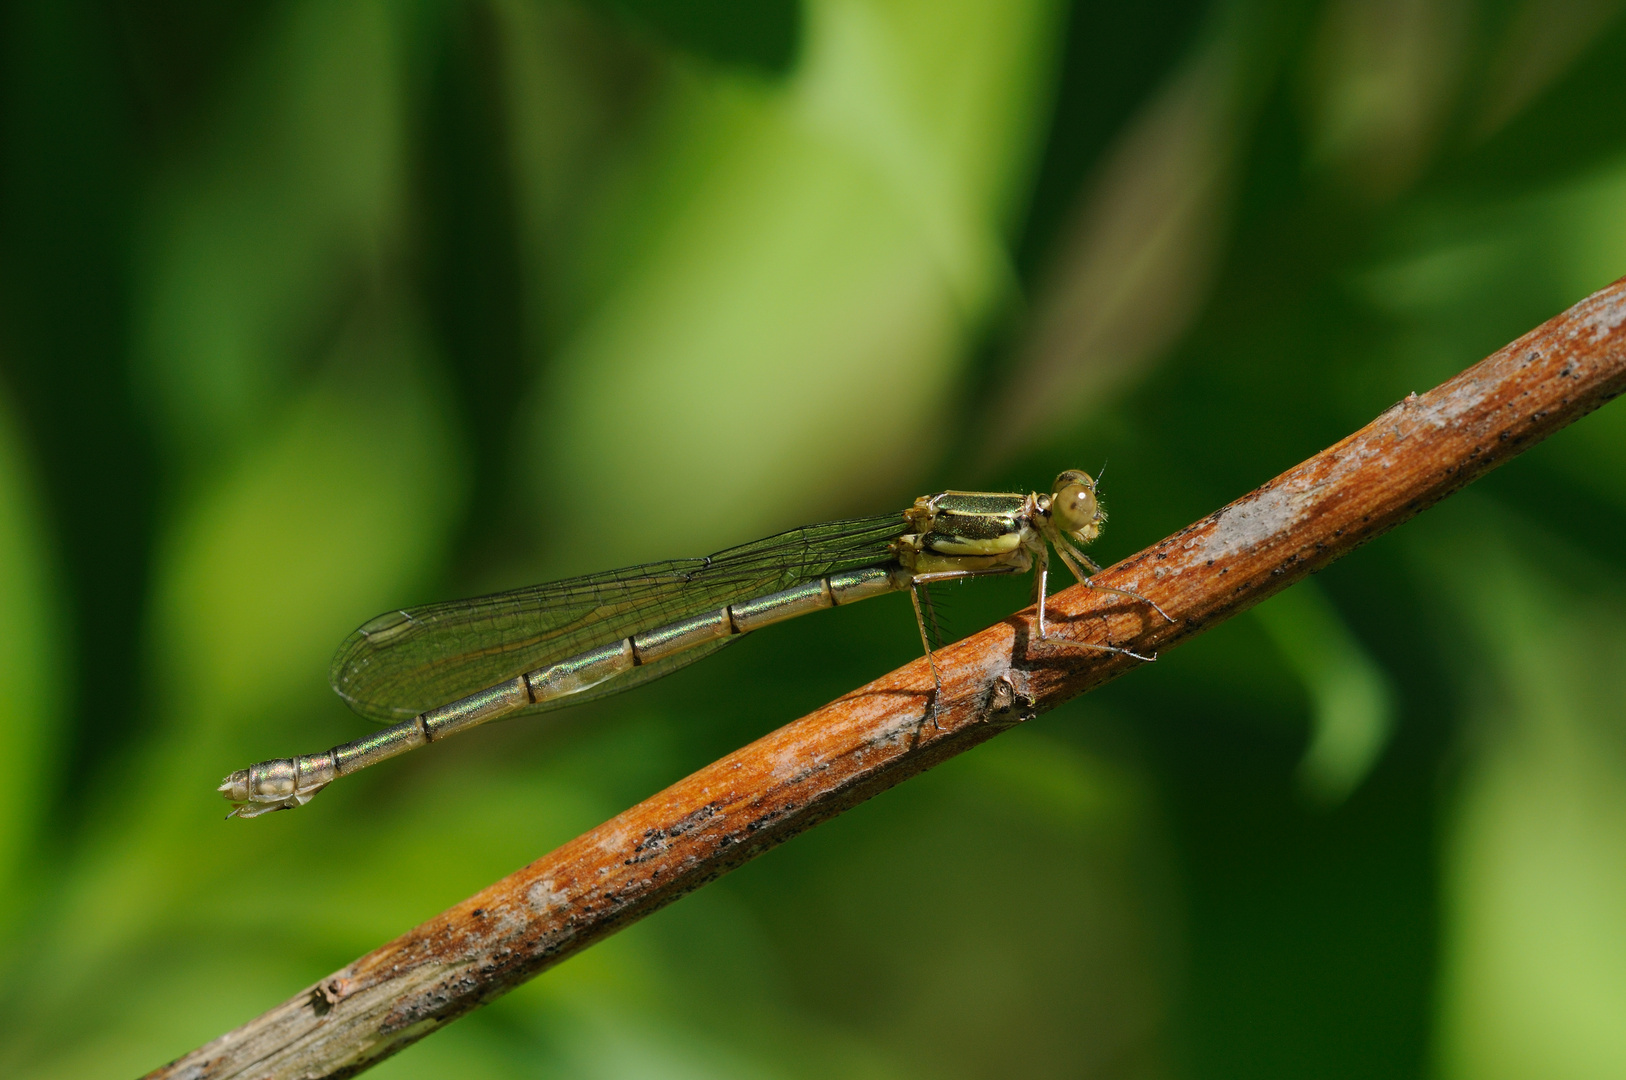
(443, 668)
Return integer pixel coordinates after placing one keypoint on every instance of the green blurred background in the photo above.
(312, 308)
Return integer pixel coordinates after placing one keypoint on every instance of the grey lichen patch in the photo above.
(508, 923)
(1242, 528)
(612, 840)
(544, 897)
(1610, 313)
(790, 770)
(898, 730)
(1440, 410)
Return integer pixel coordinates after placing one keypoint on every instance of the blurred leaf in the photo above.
(352, 495)
(31, 670)
(796, 276)
(1539, 42)
(1352, 700)
(1384, 77)
(1134, 263)
(753, 33)
(256, 241)
(335, 511)
(1534, 978)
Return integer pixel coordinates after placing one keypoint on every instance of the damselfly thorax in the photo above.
(434, 670)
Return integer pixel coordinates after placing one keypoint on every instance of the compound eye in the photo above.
(1073, 504)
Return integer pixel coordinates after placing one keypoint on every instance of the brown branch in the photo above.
(1415, 454)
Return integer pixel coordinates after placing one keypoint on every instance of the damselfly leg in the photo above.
(917, 586)
(1041, 578)
(1069, 554)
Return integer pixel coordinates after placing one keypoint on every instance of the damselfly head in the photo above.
(1074, 507)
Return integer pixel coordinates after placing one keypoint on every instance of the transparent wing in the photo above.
(404, 662)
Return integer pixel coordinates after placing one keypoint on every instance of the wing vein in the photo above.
(413, 659)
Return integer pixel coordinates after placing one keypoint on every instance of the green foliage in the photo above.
(750, 33)
(312, 309)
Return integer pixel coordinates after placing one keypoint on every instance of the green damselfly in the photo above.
(434, 670)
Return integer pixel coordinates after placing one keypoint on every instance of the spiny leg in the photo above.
(1040, 577)
(931, 662)
(934, 625)
(1041, 581)
(1072, 556)
(915, 585)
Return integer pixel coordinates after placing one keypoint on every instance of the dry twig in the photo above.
(1416, 453)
